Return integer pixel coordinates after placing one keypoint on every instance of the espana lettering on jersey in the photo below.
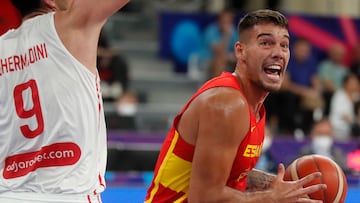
(252, 150)
(22, 61)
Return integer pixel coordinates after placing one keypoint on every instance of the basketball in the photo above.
(332, 175)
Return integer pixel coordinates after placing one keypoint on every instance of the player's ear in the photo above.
(240, 51)
(50, 4)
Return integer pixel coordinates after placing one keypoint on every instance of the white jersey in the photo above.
(52, 125)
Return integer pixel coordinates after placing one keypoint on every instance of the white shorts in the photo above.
(16, 197)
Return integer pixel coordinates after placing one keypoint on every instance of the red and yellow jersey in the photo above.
(173, 168)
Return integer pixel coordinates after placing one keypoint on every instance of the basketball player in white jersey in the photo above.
(52, 126)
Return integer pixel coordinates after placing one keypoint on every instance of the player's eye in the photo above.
(285, 45)
(265, 43)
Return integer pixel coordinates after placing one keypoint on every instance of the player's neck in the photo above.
(255, 101)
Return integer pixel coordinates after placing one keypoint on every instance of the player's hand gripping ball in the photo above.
(332, 175)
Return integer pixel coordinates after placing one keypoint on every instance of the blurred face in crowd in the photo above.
(356, 54)
(336, 53)
(301, 50)
(322, 137)
(352, 87)
(226, 22)
(264, 52)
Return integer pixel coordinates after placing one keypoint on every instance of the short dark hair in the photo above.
(262, 16)
(25, 7)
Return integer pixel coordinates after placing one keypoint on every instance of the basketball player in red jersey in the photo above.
(53, 133)
(9, 16)
(215, 141)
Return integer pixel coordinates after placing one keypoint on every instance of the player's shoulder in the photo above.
(223, 93)
(222, 98)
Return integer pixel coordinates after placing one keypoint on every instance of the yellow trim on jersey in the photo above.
(161, 170)
(176, 175)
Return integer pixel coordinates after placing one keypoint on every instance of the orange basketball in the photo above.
(332, 175)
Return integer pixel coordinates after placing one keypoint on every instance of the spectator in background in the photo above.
(113, 70)
(219, 40)
(114, 75)
(342, 113)
(355, 61)
(302, 81)
(9, 17)
(322, 143)
(331, 72)
(356, 123)
(300, 95)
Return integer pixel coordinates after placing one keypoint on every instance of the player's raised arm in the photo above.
(79, 24)
(92, 12)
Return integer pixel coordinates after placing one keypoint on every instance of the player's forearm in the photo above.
(259, 180)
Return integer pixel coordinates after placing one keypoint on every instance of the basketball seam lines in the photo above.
(322, 179)
(294, 173)
(340, 185)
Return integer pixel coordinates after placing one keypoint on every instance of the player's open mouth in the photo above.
(273, 70)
